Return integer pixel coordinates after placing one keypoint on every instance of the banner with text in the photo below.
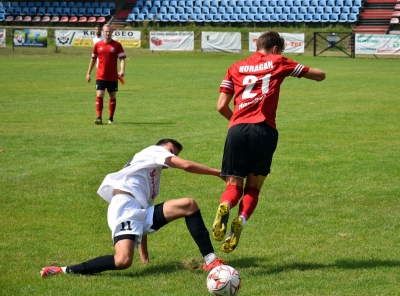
(172, 40)
(294, 42)
(30, 37)
(377, 44)
(128, 39)
(221, 42)
(2, 37)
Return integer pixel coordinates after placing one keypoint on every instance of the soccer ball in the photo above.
(224, 280)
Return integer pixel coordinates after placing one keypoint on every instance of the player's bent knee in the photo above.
(123, 262)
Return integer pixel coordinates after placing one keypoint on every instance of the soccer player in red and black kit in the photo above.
(252, 136)
(107, 51)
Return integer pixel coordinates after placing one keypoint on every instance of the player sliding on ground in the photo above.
(252, 136)
(130, 193)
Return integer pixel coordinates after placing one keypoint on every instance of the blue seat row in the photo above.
(57, 4)
(334, 17)
(57, 11)
(245, 10)
(247, 3)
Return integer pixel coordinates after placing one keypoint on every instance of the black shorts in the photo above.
(249, 149)
(111, 86)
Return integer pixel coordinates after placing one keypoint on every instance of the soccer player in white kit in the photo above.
(130, 193)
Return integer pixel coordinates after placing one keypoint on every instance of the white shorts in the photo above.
(127, 216)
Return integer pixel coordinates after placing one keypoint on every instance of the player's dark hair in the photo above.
(269, 39)
(174, 142)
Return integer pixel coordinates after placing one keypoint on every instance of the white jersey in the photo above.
(140, 177)
(97, 39)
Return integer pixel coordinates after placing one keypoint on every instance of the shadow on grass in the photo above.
(304, 266)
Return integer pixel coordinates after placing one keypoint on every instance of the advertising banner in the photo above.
(30, 37)
(377, 44)
(2, 37)
(294, 42)
(221, 42)
(128, 39)
(172, 40)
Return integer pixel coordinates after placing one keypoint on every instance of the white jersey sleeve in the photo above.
(140, 177)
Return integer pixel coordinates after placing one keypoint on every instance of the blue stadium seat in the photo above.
(198, 3)
(314, 3)
(175, 18)
(266, 18)
(278, 10)
(262, 10)
(232, 3)
(294, 10)
(221, 10)
(258, 18)
(265, 3)
(283, 17)
(223, 3)
(229, 10)
(286, 10)
(328, 10)
(355, 10)
(336, 10)
(316, 18)
(184, 17)
(41, 11)
(325, 18)
(303, 10)
(250, 18)
(253, 10)
(213, 10)
(339, 3)
(245, 10)
(71, 4)
(95, 4)
(154, 10)
(189, 3)
(32, 10)
(2, 16)
(348, 3)
(334, 17)
(322, 3)
(65, 11)
(305, 3)
(105, 12)
(63, 4)
(74, 11)
(209, 18)
(171, 10)
(237, 10)
(225, 18)
(256, 3)
(23, 10)
(289, 3)
(79, 4)
(291, 18)
(240, 3)
(273, 3)
(330, 3)
(353, 17)
(233, 18)
(248, 3)
(81, 11)
(346, 10)
(89, 5)
(140, 17)
(7, 4)
(241, 18)
(300, 17)
(90, 11)
(98, 11)
(180, 10)
(200, 18)
(14, 4)
(159, 17)
(308, 18)
(270, 10)
(21, 4)
(207, 3)
(164, 3)
(181, 3)
(281, 3)
(148, 4)
(49, 11)
(319, 10)
(357, 3)
(274, 18)
(163, 10)
(205, 10)
(343, 18)
(189, 10)
(297, 3)
(197, 10)
(131, 17)
(111, 5)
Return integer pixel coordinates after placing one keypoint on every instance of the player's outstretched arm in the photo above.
(191, 166)
(315, 74)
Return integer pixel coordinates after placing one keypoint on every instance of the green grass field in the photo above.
(328, 218)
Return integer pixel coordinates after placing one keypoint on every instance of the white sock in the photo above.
(243, 220)
(64, 269)
(210, 258)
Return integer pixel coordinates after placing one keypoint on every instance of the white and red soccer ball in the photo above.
(224, 280)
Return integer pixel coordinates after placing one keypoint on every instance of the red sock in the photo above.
(231, 195)
(249, 202)
(99, 106)
(112, 104)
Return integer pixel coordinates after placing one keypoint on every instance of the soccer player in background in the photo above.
(252, 135)
(97, 32)
(108, 51)
(130, 193)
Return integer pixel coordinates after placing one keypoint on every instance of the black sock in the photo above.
(95, 265)
(199, 232)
